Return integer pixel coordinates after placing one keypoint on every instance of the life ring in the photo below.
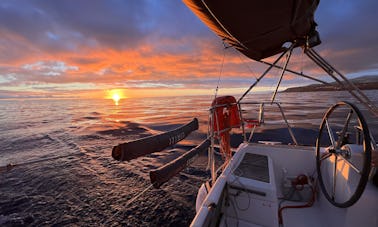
(225, 114)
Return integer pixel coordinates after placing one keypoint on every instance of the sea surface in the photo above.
(57, 169)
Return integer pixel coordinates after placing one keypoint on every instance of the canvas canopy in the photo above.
(258, 28)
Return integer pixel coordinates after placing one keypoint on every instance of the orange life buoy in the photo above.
(225, 114)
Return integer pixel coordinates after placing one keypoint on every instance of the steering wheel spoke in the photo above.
(334, 179)
(340, 191)
(345, 128)
(325, 156)
(330, 133)
(351, 165)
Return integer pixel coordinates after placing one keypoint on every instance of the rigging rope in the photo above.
(211, 159)
(128, 203)
(221, 70)
(10, 165)
(247, 65)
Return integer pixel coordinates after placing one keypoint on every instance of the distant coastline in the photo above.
(363, 83)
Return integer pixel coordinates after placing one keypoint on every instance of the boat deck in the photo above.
(253, 192)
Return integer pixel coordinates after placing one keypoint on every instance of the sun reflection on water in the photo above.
(116, 98)
(116, 95)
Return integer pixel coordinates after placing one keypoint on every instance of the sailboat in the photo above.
(331, 183)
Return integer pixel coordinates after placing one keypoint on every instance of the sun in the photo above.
(116, 95)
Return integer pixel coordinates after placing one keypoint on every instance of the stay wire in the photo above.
(221, 70)
(247, 65)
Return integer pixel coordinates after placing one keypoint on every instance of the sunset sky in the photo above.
(77, 48)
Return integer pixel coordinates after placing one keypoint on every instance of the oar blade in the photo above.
(169, 170)
(134, 149)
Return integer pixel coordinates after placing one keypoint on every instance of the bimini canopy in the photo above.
(258, 28)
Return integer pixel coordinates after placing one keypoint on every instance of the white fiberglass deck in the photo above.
(242, 197)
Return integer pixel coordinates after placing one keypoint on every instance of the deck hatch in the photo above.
(253, 166)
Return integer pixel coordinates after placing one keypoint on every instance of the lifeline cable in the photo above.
(138, 195)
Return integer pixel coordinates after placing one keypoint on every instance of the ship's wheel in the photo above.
(343, 154)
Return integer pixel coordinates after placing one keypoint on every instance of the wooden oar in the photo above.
(151, 144)
(169, 170)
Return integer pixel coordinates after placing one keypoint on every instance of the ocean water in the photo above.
(70, 142)
(35, 129)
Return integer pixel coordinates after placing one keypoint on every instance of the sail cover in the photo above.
(258, 28)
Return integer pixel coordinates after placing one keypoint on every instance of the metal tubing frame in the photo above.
(343, 81)
(283, 117)
(318, 60)
(264, 73)
(211, 160)
(282, 73)
(294, 72)
(212, 133)
(328, 68)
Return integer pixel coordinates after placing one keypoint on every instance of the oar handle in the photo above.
(169, 170)
(151, 144)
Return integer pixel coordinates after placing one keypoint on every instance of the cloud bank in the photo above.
(50, 48)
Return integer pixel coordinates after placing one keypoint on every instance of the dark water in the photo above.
(64, 173)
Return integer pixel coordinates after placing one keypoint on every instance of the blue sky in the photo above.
(66, 47)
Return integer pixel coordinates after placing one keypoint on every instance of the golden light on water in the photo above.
(116, 95)
(116, 98)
